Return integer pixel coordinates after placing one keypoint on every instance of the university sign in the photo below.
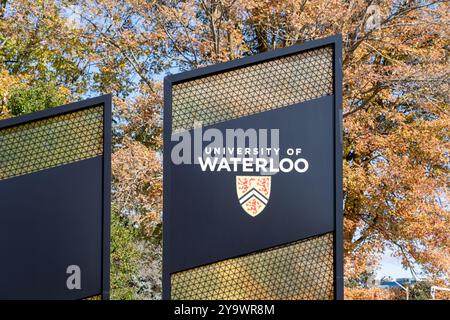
(252, 176)
(55, 202)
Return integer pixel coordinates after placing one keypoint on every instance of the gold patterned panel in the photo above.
(249, 90)
(51, 142)
(300, 270)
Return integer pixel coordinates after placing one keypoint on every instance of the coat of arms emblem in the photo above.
(253, 193)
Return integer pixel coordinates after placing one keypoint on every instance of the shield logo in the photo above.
(253, 193)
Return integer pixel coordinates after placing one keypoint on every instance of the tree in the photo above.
(39, 42)
(374, 294)
(396, 96)
(24, 99)
(124, 258)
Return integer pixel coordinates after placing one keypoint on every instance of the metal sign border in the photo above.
(334, 41)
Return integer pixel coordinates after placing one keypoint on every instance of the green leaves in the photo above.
(39, 96)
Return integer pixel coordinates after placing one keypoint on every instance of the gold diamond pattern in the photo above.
(51, 142)
(300, 270)
(249, 90)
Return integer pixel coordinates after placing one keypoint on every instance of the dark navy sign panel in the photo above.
(300, 204)
(293, 248)
(56, 213)
(49, 234)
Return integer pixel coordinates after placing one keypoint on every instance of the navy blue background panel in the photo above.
(53, 224)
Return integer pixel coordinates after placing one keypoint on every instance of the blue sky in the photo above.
(391, 267)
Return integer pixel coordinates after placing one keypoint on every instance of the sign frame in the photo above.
(336, 42)
(106, 102)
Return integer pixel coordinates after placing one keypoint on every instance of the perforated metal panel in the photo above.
(266, 86)
(51, 142)
(300, 270)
